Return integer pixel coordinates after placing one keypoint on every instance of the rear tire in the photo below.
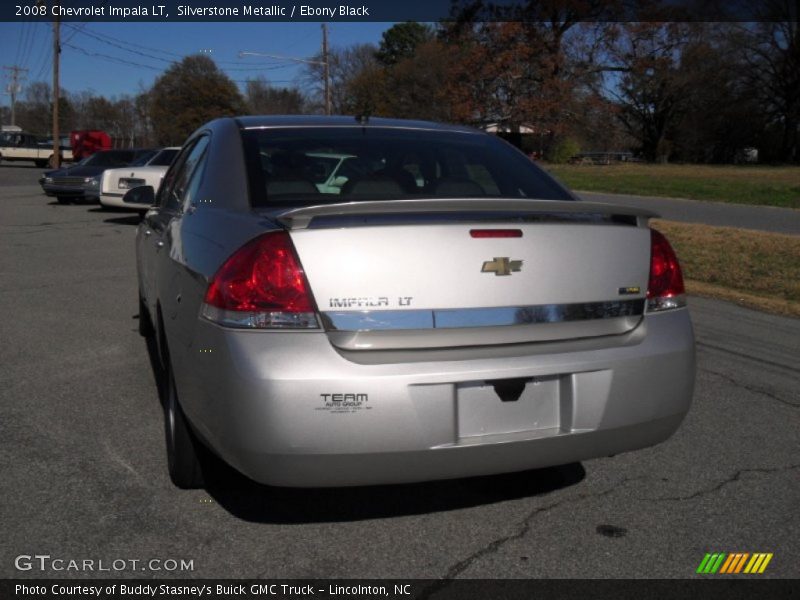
(41, 164)
(183, 449)
(62, 199)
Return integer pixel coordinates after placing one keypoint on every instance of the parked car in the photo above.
(114, 183)
(453, 311)
(82, 181)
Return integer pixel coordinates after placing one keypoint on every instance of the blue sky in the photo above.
(152, 45)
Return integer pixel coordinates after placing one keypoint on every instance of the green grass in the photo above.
(767, 186)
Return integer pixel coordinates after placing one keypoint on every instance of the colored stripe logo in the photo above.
(734, 563)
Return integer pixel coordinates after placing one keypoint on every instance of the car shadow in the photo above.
(129, 220)
(72, 202)
(254, 502)
(16, 165)
(258, 503)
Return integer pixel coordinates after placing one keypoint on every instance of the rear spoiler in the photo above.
(300, 218)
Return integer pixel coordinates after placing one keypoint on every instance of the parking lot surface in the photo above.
(84, 474)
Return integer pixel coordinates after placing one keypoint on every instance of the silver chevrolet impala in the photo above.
(347, 301)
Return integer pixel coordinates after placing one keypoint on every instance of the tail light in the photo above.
(261, 286)
(665, 289)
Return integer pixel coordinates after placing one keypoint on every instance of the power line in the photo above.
(123, 45)
(78, 29)
(110, 58)
(118, 60)
(105, 37)
(118, 44)
(115, 41)
(45, 55)
(28, 48)
(20, 42)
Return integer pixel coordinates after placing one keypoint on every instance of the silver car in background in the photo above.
(448, 311)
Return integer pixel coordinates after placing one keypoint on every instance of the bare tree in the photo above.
(263, 99)
(346, 66)
(769, 56)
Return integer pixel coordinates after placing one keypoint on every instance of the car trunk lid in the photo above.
(415, 274)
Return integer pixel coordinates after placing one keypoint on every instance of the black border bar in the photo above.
(727, 588)
(388, 11)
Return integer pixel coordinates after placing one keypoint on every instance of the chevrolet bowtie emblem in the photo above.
(501, 265)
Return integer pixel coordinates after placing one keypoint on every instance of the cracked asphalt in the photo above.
(83, 473)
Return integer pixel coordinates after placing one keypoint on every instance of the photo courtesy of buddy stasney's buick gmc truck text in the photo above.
(350, 301)
(206, 590)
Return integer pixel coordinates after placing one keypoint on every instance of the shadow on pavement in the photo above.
(129, 220)
(251, 501)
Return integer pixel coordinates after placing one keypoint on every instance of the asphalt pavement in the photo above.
(762, 218)
(84, 476)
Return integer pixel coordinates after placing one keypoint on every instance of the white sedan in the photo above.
(116, 182)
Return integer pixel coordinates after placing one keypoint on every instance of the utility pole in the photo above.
(326, 68)
(14, 88)
(56, 55)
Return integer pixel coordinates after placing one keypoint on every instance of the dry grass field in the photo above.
(772, 186)
(753, 268)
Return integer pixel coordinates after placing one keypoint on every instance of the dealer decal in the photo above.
(344, 403)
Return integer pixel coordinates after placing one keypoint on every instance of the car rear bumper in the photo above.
(266, 403)
(115, 201)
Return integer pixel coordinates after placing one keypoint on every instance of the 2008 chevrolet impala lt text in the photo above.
(350, 301)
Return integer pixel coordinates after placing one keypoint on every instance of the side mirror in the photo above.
(144, 194)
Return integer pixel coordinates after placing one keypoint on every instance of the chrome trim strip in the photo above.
(383, 320)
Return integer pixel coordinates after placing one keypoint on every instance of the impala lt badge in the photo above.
(501, 265)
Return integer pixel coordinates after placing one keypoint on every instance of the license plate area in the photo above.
(481, 410)
(126, 184)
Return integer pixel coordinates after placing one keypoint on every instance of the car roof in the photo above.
(267, 121)
(136, 150)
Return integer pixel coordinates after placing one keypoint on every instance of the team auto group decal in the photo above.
(344, 403)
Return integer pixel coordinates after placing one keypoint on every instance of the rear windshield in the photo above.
(321, 165)
(163, 158)
(111, 158)
(143, 159)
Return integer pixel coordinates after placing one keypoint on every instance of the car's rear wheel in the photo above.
(41, 163)
(63, 199)
(183, 448)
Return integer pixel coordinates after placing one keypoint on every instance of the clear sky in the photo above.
(111, 59)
